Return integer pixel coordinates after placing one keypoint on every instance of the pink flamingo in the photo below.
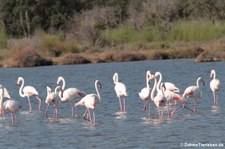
(171, 97)
(121, 91)
(53, 99)
(145, 93)
(10, 105)
(6, 93)
(169, 86)
(28, 91)
(90, 101)
(159, 99)
(69, 94)
(214, 86)
(194, 91)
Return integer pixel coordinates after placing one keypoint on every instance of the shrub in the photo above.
(28, 57)
(211, 56)
(55, 45)
(87, 25)
(72, 58)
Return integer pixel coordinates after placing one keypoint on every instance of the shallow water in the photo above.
(132, 130)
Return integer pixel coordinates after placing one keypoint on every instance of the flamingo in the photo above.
(168, 85)
(10, 105)
(28, 91)
(159, 99)
(145, 93)
(214, 86)
(90, 101)
(171, 97)
(194, 91)
(69, 94)
(53, 99)
(121, 91)
(6, 93)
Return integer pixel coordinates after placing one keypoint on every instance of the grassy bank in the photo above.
(203, 40)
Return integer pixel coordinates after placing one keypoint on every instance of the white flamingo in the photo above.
(214, 86)
(194, 91)
(168, 85)
(53, 99)
(28, 91)
(10, 105)
(6, 93)
(69, 94)
(159, 99)
(145, 93)
(121, 92)
(90, 101)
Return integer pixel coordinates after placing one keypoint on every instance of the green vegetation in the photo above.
(202, 30)
(74, 31)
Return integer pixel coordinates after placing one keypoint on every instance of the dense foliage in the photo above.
(22, 17)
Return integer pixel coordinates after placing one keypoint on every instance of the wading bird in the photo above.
(121, 92)
(69, 94)
(10, 105)
(90, 101)
(214, 86)
(28, 91)
(194, 91)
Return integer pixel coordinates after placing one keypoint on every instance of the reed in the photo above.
(200, 30)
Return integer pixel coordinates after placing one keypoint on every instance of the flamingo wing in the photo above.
(89, 101)
(30, 90)
(11, 105)
(215, 85)
(145, 93)
(171, 87)
(172, 96)
(121, 89)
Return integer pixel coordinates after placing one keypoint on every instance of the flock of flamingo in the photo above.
(163, 94)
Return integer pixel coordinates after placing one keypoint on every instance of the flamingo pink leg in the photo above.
(15, 118)
(39, 103)
(121, 109)
(216, 100)
(168, 110)
(195, 105)
(56, 111)
(215, 97)
(93, 117)
(72, 108)
(145, 105)
(149, 109)
(12, 118)
(85, 116)
(89, 113)
(46, 111)
(124, 104)
(29, 103)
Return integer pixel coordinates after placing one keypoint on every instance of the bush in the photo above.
(72, 58)
(55, 45)
(28, 57)
(87, 25)
(211, 56)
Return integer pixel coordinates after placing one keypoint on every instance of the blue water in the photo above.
(132, 130)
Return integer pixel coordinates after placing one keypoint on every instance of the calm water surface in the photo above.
(132, 130)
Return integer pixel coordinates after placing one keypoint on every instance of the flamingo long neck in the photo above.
(21, 88)
(160, 80)
(96, 88)
(147, 84)
(61, 79)
(116, 78)
(153, 90)
(213, 74)
(197, 82)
